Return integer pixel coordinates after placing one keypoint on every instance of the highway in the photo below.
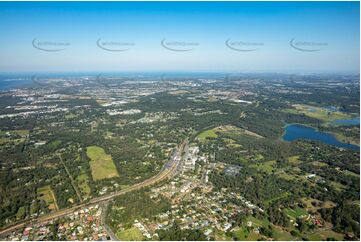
(168, 170)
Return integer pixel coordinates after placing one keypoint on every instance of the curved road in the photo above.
(167, 171)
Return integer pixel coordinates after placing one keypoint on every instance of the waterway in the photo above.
(297, 131)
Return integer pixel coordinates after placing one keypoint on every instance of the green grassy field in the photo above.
(207, 134)
(294, 160)
(318, 113)
(321, 234)
(132, 234)
(34, 207)
(320, 204)
(21, 213)
(265, 166)
(102, 164)
(5, 139)
(338, 186)
(295, 213)
(55, 144)
(21, 132)
(350, 173)
(246, 234)
(286, 175)
(259, 222)
(233, 130)
(281, 234)
(70, 116)
(319, 164)
(270, 167)
(46, 194)
(83, 183)
(230, 130)
(231, 143)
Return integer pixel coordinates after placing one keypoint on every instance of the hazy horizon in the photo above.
(179, 36)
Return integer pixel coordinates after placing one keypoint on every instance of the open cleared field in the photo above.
(130, 234)
(265, 166)
(270, 167)
(231, 143)
(207, 134)
(281, 234)
(227, 129)
(70, 116)
(13, 136)
(286, 175)
(318, 113)
(102, 164)
(294, 160)
(246, 234)
(322, 234)
(319, 164)
(350, 173)
(235, 130)
(82, 182)
(264, 222)
(21, 213)
(54, 144)
(295, 213)
(338, 186)
(20, 132)
(46, 194)
(34, 207)
(313, 204)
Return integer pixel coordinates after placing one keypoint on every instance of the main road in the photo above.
(169, 169)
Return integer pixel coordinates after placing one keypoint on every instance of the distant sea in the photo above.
(11, 81)
(6, 85)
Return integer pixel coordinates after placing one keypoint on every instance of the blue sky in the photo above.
(331, 28)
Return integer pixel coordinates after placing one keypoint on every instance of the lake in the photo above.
(297, 131)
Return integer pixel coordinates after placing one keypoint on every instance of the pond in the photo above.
(297, 131)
